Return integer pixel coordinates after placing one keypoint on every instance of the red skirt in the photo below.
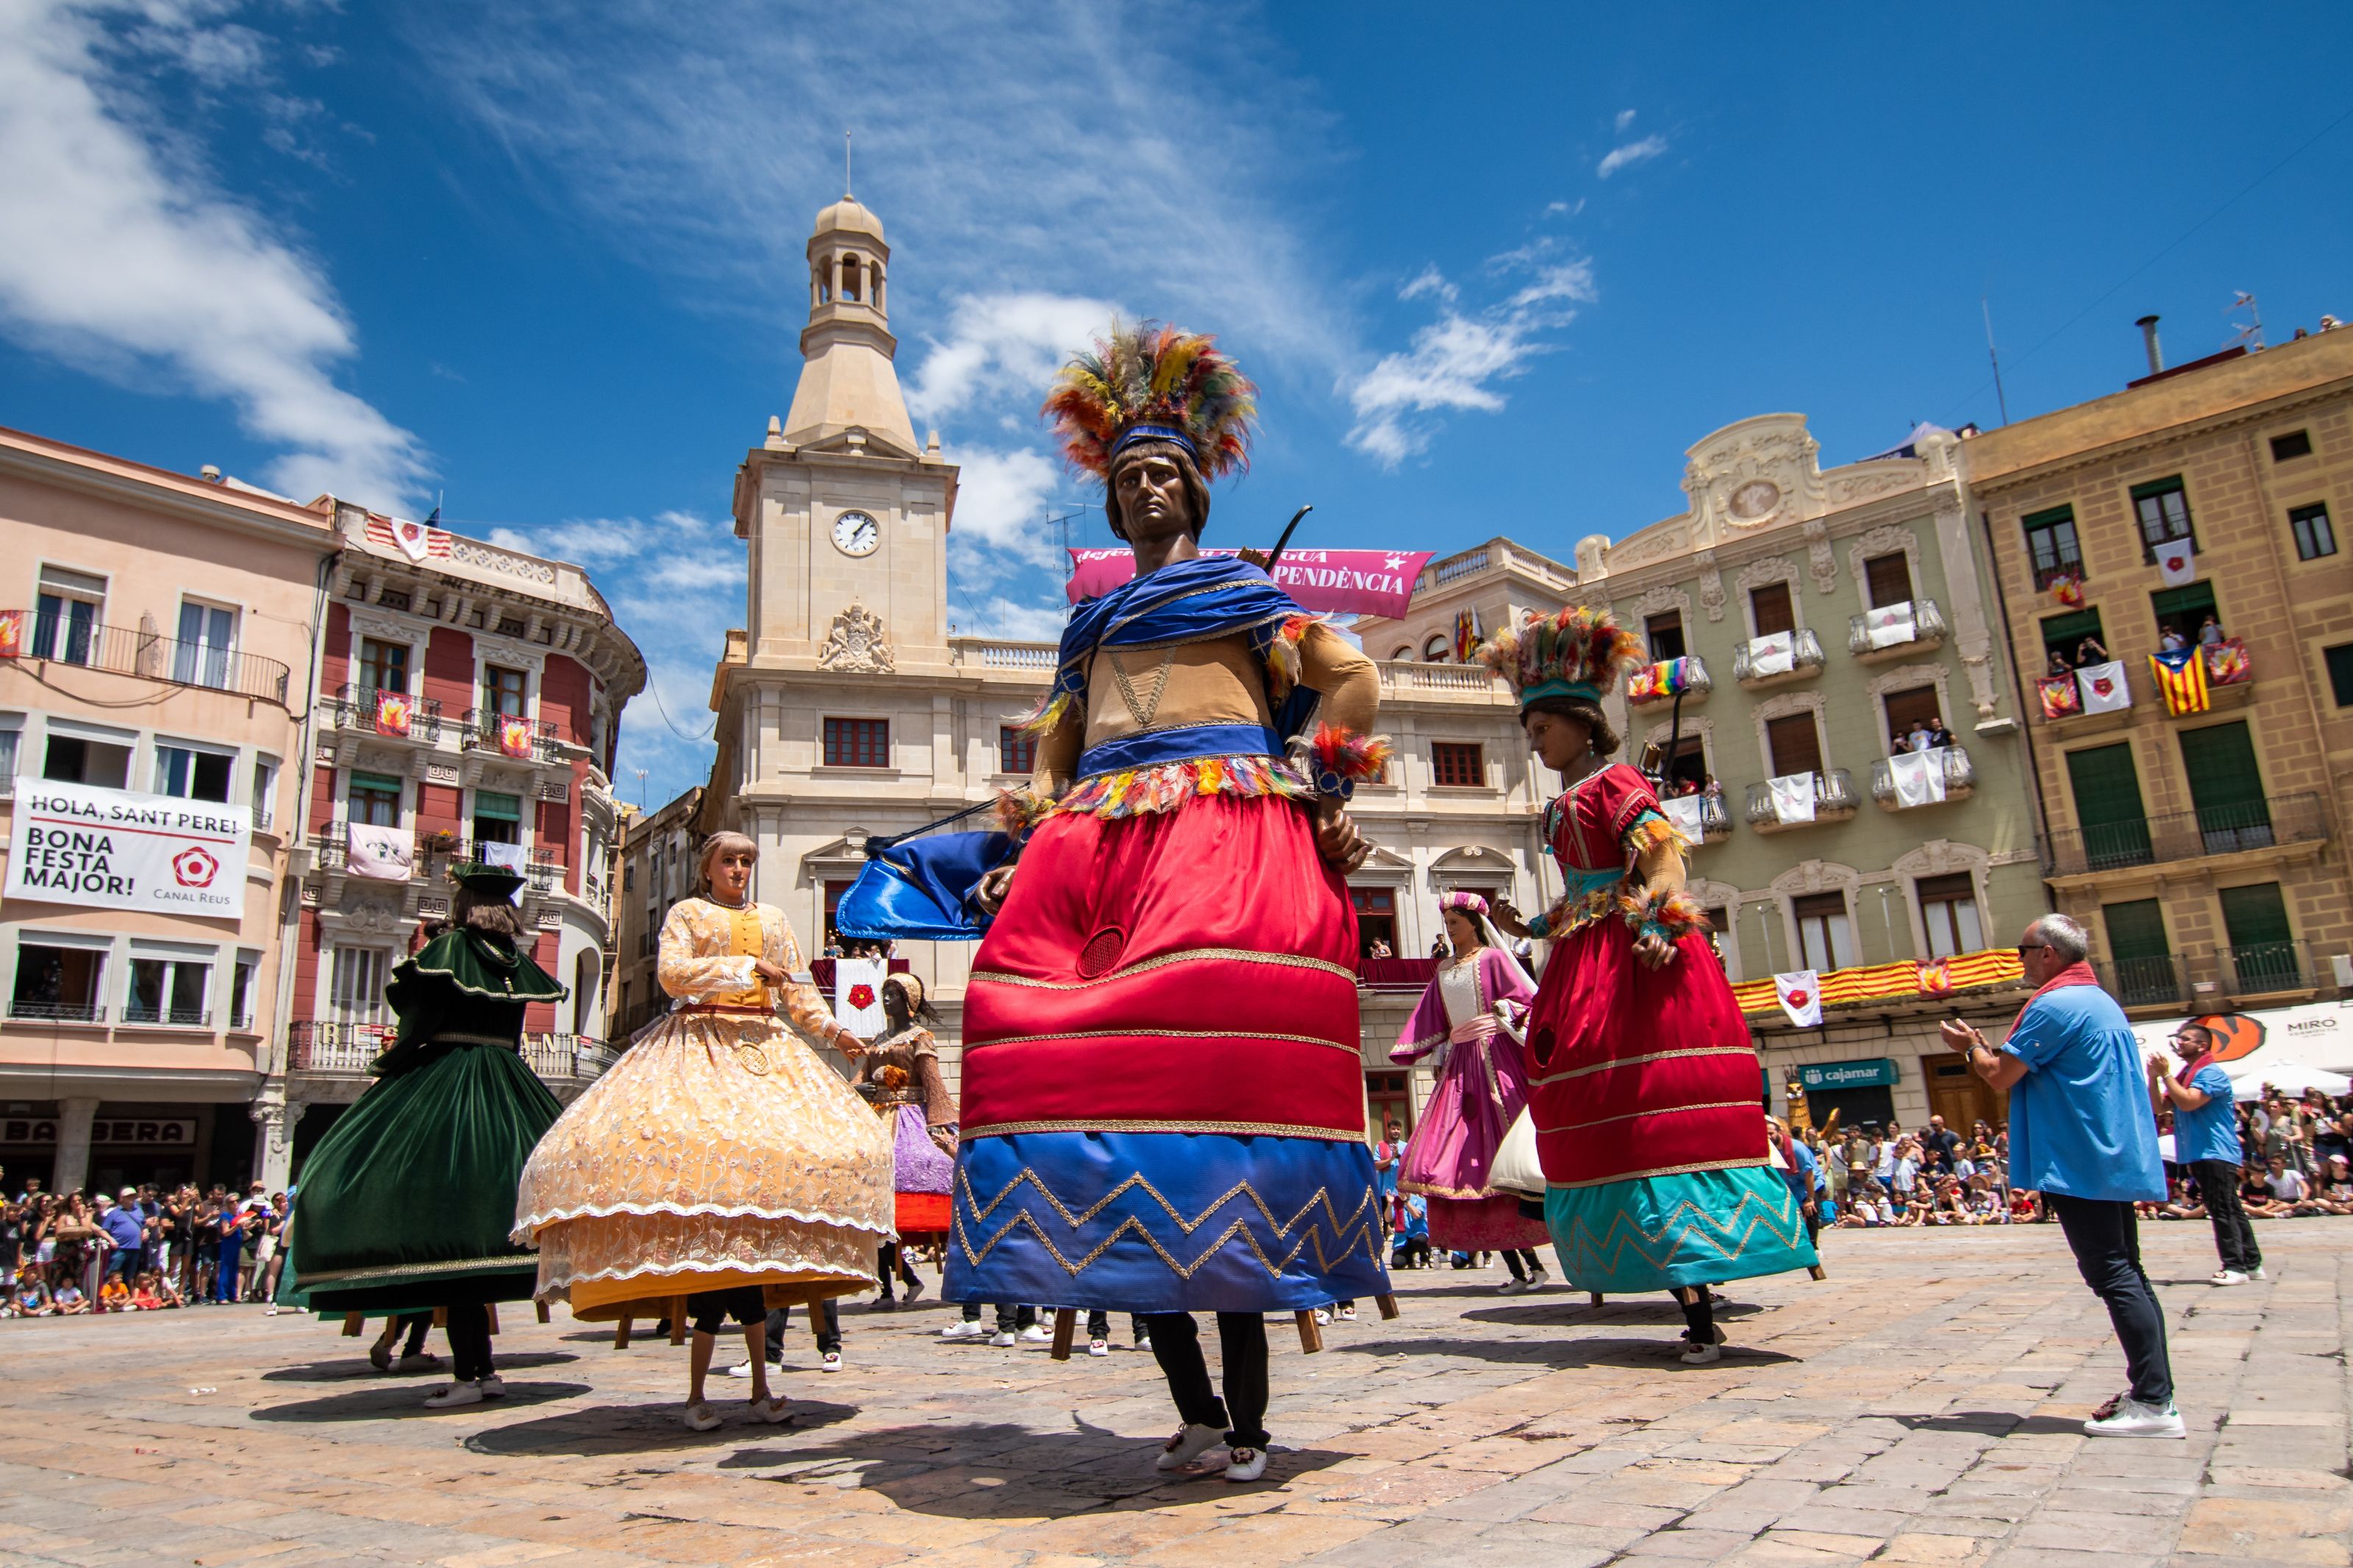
(1639, 1072)
(920, 1213)
(1188, 971)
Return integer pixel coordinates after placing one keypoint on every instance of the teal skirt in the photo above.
(406, 1202)
(1660, 1232)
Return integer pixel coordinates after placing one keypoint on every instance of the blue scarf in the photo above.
(1211, 595)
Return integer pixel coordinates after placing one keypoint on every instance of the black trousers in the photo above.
(825, 1322)
(415, 1323)
(1241, 1344)
(2234, 1236)
(2105, 1236)
(468, 1325)
(1513, 1261)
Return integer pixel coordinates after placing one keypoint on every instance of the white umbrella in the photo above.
(2248, 1079)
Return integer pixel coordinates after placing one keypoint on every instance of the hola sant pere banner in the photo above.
(117, 849)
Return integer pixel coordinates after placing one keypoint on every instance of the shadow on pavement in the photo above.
(1633, 1309)
(1995, 1424)
(356, 1369)
(1651, 1355)
(400, 1400)
(653, 1424)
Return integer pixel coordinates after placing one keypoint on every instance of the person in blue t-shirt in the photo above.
(2082, 1134)
(2206, 1139)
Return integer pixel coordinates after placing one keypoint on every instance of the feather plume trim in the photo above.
(1579, 646)
(1650, 831)
(1135, 792)
(1352, 756)
(1019, 810)
(1284, 662)
(1573, 914)
(1673, 915)
(1047, 714)
(1152, 374)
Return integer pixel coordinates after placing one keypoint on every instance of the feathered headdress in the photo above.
(1153, 382)
(1578, 652)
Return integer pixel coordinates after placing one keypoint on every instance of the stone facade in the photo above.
(655, 858)
(2215, 886)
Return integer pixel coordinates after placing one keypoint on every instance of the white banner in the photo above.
(2177, 563)
(1919, 776)
(385, 854)
(1801, 997)
(1774, 655)
(2103, 687)
(1793, 798)
(857, 996)
(1889, 626)
(117, 849)
(1684, 811)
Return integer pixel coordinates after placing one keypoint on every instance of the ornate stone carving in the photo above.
(1816, 876)
(1940, 858)
(1886, 539)
(857, 644)
(1903, 677)
(1819, 559)
(1753, 475)
(442, 773)
(1862, 482)
(1712, 596)
(1658, 601)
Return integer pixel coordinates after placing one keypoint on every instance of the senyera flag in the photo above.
(1334, 582)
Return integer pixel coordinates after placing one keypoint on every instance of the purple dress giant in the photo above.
(1473, 1013)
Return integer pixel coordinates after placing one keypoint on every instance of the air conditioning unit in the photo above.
(2343, 964)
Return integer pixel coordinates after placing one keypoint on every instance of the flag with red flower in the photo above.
(2068, 589)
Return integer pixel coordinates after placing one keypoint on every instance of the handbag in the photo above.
(1514, 1168)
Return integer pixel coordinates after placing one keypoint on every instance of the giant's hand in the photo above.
(1653, 951)
(994, 886)
(1337, 838)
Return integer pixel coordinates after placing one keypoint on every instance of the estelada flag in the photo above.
(2181, 679)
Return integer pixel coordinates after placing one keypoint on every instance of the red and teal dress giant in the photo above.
(1643, 1083)
(1163, 1099)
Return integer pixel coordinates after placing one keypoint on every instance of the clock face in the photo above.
(855, 533)
(1753, 499)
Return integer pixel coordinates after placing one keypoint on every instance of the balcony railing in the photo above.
(1686, 677)
(540, 868)
(2265, 968)
(576, 1059)
(1411, 677)
(488, 730)
(1715, 815)
(2187, 834)
(36, 1010)
(341, 1047)
(2229, 677)
(1001, 653)
(2160, 980)
(1805, 659)
(395, 715)
(126, 650)
(1960, 778)
(137, 1012)
(1834, 800)
(1881, 634)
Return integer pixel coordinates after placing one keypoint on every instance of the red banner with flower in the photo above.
(2062, 698)
(392, 713)
(12, 633)
(514, 737)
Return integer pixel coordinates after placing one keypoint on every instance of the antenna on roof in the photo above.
(846, 186)
(2253, 334)
(1986, 304)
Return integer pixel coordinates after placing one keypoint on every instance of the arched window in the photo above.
(1434, 651)
(825, 285)
(1405, 652)
(849, 278)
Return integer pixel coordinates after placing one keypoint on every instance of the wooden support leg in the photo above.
(677, 1320)
(1388, 1304)
(353, 1325)
(543, 1310)
(1310, 1337)
(1066, 1325)
(492, 1309)
(440, 1317)
(1594, 1297)
(1819, 1272)
(621, 1335)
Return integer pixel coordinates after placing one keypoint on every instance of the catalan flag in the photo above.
(2180, 677)
(1467, 637)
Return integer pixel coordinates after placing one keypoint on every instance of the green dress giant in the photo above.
(406, 1202)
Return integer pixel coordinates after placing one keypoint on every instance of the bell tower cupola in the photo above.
(848, 380)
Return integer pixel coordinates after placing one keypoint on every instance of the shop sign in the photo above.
(1875, 1072)
(139, 1132)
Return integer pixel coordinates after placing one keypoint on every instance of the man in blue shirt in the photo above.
(2206, 1139)
(123, 1227)
(2082, 1134)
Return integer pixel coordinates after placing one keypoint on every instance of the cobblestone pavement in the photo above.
(1922, 1406)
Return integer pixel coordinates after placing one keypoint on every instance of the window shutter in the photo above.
(2115, 825)
(1795, 744)
(2135, 929)
(2256, 915)
(1889, 578)
(2225, 786)
(1773, 610)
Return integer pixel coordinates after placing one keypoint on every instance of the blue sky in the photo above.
(1492, 276)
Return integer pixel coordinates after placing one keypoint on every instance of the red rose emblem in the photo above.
(2105, 685)
(1799, 998)
(194, 868)
(861, 996)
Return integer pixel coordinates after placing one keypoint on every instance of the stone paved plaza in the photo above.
(1921, 1407)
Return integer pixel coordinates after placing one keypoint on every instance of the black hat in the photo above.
(486, 881)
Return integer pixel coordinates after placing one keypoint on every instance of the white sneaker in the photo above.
(963, 1329)
(1036, 1334)
(1245, 1464)
(2226, 1277)
(741, 1369)
(2133, 1419)
(701, 1418)
(1190, 1444)
(2257, 1272)
(1001, 1339)
(1511, 1286)
(1347, 1314)
(1323, 1314)
(268, 1311)
(456, 1394)
(830, 1361)
(1538, 1279)
(1701, 1355)
(493, 1387)
(380, 1356)
(423, 1361)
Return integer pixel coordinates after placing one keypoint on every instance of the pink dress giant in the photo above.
(1473, 1012)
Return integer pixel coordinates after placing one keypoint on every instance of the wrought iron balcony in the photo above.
(487, 729)
(1870, 644)
(2160, 980)
(134, 1011)
(2231, 829)
(1834, 800)
(1715, 815)
(2266, 968)
(1691, 681)
(395, 715)
(1960, 778)
(51, 1011)
(348, 1049)
(127, 650)
(540, 867)
(1805, 660)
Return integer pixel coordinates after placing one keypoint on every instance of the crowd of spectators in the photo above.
(140, 1249)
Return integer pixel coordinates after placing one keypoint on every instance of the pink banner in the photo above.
(1341, 581)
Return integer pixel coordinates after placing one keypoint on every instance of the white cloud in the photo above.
(1632, 153)
(1625, 119)
(1004, 348)
(1429, 280)
(1003, 501)
(122, 257)
(1003, 618)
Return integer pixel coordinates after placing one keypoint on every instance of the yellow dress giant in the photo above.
(719, 1152)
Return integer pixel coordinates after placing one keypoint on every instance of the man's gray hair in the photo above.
(2064, 933)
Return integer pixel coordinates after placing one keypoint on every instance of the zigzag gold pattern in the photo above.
(1637, 1061)
(1346, 1233)
(1190, 955)
(1700, 1226)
